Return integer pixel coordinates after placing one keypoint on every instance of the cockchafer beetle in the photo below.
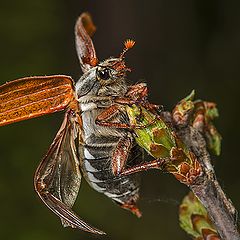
(81, 146)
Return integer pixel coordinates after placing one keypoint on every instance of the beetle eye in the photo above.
(104, 74)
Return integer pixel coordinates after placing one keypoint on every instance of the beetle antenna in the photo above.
(128, 44)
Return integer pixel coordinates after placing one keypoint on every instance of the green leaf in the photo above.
(193, 217)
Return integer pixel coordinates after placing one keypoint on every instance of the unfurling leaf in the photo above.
(194, 219)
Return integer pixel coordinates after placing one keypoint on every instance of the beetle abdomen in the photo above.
(98, 173)
(96, 156)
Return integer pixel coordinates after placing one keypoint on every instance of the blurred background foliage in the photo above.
(181, 45)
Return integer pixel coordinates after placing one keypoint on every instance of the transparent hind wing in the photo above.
(58, 178)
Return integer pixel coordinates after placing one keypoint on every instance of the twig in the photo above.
(207, 189)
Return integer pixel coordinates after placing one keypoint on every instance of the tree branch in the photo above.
(207, 189)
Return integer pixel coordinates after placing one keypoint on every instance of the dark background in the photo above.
(181, 45)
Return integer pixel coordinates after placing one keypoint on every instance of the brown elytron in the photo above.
(34, 96)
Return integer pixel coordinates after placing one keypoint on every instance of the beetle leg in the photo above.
(104, 118)
(131, 206)
(154, 164)
(124, 100)
(137, 94)
(138, 91)
(120, 155)
(146, 125)
(153, 108)
(119, 159)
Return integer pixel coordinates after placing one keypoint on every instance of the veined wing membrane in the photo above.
(57, 179)
(31, 97)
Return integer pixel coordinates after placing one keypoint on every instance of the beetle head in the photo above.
(106, 78)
